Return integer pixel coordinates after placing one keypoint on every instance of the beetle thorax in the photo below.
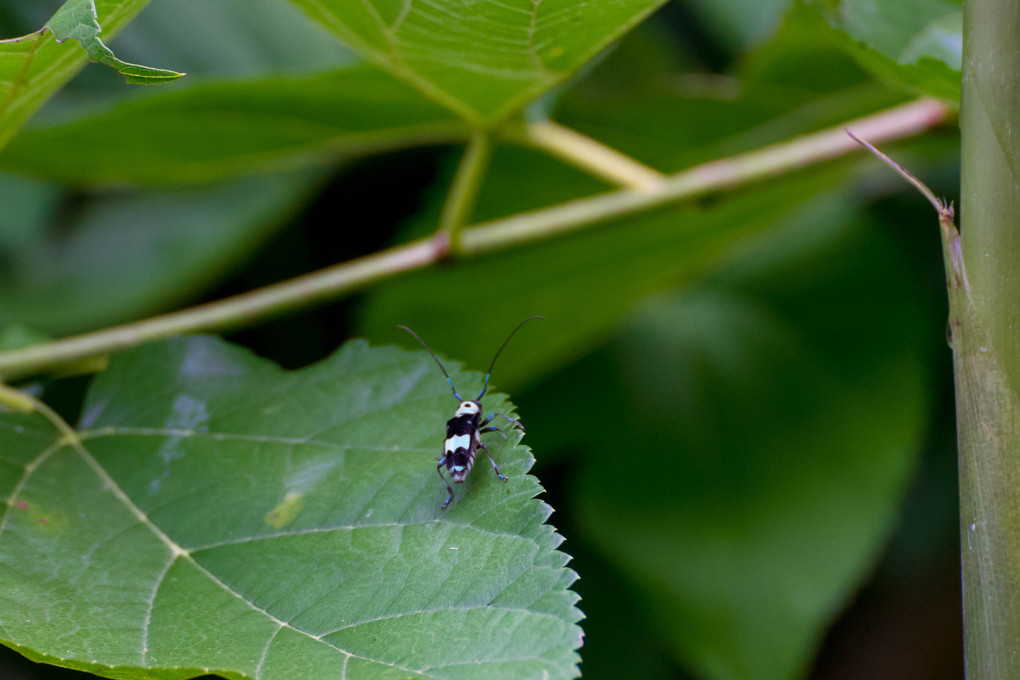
(468, 408)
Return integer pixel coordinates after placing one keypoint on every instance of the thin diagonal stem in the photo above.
(589, 155)
(343, 279)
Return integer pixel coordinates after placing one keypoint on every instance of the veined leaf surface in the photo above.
(220, 129)
(483, 59)
(217, 514)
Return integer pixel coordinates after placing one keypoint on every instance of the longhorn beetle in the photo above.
(464, 429)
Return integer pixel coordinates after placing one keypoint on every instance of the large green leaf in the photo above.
(483, 60)
(137, 254)
(756, 434)
(28, 205)
(33, 67)
(216, 129)
(915, 43)
(222, 515)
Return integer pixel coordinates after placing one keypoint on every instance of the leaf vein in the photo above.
(354, 527)
(265, 653)
(30, 467)
(230, 436)
(445, 608)
(151, 605)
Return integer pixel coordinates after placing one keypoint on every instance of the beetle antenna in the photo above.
(438, 363)
(485, 386)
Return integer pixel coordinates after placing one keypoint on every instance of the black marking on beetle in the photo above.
(465, 428)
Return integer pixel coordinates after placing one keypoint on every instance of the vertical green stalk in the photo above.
(461, 199)
(985, 325)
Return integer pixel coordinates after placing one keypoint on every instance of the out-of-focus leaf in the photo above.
(235, 38)
(141, 253)
(221, 129)
(757, 433)
(28, 205)
(741, 23)
(33, 67)
(917, 44)
(481, 60)
(672, 120)
(268, 524)
(15, 336)
(77, 19)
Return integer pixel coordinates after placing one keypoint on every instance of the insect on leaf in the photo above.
(220, 515)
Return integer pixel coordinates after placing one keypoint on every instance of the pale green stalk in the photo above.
(985, 321)
(343, 279)
(460, 201)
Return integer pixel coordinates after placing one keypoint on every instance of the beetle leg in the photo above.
(449, 489)
(493, 428)
(501, 476)
(513, 421)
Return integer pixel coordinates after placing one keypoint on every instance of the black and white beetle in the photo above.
(464, 429)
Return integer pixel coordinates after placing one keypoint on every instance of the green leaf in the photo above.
(739, 23)
(759, 431)
(28, 205)
(77, 19)
(481, 60)
(130, 255)
(917, 44)
(213, 130)
(35, 66)
(235, 38)
(796, 83)
(268, 524)
(14, 336)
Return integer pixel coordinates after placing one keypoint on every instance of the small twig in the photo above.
(464, 191)
(343, 279)
(938, 203)
(589, 155)
(956, 271)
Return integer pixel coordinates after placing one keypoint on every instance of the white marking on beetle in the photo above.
(459, 442)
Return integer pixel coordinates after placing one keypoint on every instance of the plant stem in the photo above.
(342, 279)
(899, 122)
(15, 400)
(986, 341)
(231, 312)
(464, 191)
(589, 155)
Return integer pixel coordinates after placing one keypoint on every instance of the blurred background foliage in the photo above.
(741, 407)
